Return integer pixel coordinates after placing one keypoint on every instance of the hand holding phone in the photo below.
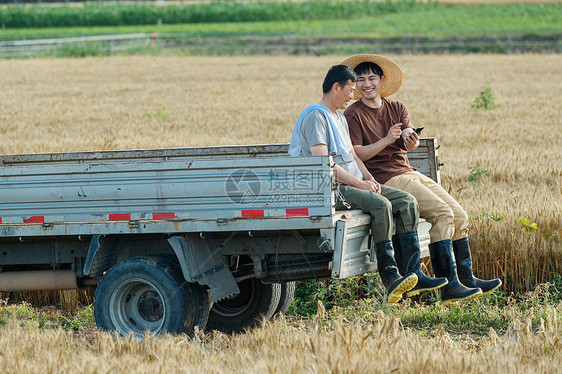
(411, 141)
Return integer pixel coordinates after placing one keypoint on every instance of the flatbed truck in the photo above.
(183, 238)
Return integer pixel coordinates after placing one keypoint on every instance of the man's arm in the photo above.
(366, 152)
(410, 139)
(365, 172)
(343, 176)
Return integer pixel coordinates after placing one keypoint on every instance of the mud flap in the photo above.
(102, 254)
(202, 265)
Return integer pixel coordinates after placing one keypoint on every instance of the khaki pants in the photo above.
(447, 217)
(390, 204)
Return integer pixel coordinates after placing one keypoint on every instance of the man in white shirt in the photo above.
(321, 130)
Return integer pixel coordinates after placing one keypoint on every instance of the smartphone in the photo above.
(419, 129)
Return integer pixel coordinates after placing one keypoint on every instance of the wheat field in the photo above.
(57, 105)
(320, 345)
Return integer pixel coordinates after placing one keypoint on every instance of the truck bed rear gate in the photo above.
(352, 256)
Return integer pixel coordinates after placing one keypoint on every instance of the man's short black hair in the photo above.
(368, 67)
(338, 74)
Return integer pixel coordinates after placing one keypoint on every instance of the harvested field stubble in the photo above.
(54, 105)
(318, 346)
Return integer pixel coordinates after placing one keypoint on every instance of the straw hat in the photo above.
(392, 72)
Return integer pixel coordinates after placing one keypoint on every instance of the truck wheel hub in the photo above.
(150, 306)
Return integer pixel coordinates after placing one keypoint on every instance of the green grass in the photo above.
(24, 314)
(474, 318)
(434, 21)
(23, 311)
(360, 299)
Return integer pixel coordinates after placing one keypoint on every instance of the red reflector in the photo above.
(0, 219)
(120, 217)
(163, 215)
(252, 213)
(297, 212)
(34, 219)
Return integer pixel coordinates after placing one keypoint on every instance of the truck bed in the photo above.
(230, 188)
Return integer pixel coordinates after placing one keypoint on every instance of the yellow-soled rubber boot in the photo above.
(444, 265)
(394, 283)
(407, 254)
(464, 268)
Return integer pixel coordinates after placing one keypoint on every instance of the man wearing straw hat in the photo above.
(321, 130)
(382, 133)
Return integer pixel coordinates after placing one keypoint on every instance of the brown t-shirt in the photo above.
(369, 125)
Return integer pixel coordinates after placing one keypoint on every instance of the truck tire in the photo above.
(197, 307)
(255, 302)
(197, 297)
(140, 295)
(286, 298)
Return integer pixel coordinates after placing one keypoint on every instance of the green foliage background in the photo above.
(107, 14)
(406, 15)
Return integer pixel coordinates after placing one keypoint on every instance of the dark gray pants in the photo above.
(391, 203)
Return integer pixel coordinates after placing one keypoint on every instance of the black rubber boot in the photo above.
(444, 265)
(394, 283)
(407, 254)
(464, 267)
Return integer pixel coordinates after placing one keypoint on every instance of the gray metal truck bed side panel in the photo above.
(181, 190)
